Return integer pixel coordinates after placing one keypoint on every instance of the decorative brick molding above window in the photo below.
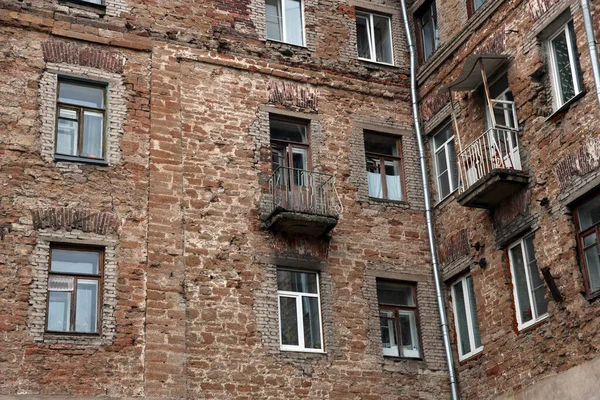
(38, 296)
(69, 219)
(116, 108)
(71, 53)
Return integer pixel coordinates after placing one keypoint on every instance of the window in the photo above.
(74, 286)
(564, 65)
(285, 21)
(299, 311)
(587, 217)
(428, 30)
(374, 37)
(445, 162)
(529, 289)
(398, 319)
(80, 127)
(291, 153)
(465, 318)
(384, 166)
(474, 5)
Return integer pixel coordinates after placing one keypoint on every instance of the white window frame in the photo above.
(371, 36)
(298, 296)
(280, 5)
(558, 96)
(535, 318)
(445, 146)
(468, 303)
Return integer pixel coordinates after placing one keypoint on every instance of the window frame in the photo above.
(289, 146)
(471, 9)
(580, 235)
(382, 158)
(281, 8)
(468, 306)
(73, 306)
(80, 112)
(557, 99)
(535, 318)
(371, 36)
(301, 347)
(418, 18)
(396, 309)
(435, 151)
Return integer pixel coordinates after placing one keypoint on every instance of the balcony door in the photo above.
(504, 147)
(290, 150)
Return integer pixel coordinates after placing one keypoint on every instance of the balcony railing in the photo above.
(302, 191)
(496, 149)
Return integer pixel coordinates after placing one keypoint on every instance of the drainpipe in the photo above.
(589, 33)
(428, 213)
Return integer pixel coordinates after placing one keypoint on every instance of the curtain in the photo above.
(92, 134)
(375, 187)
(394, 187)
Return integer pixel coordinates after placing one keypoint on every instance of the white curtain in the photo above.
(375, 187)
(394, 188)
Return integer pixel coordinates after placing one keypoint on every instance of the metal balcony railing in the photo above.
(497, 148)
(303, 191)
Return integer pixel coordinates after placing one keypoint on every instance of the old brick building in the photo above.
(209, 199)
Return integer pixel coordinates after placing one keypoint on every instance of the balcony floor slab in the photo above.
(493, 188)
(299, 223)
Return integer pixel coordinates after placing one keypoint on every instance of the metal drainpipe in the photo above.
(428, 213)
(589, 33)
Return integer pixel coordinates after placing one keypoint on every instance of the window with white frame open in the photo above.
(374, 37)
(285, 21)
(528, 287)
(398, 319)
(465, 318)
(565, 72)
(300, 327)
(446, 169)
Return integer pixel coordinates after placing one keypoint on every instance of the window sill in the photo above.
(373, 64)
(279, 42)
(67, 338)
(302, 351)
(446, 199)
(99, 8)
(592, 296)
(563, 109)
(398, 358)
(397, 203)
(533, 325)
(94, 161)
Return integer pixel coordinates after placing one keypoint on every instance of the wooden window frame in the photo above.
(301, 347)
(73, 309)
(471, 7)
(288, 146)
(590, 294)
(396, 312)
(382, 158)
(418, 18)
(80, 112)
(467, 296)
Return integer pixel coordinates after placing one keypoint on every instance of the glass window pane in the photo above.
(288, 318)
(408, 331)
(293, 22)
(311, 322)
(67, 137)
(443, 185)
(293, 281)
(81, 95)
(589, 240)
(86, 309)
(474, 318)
(589, 214)
(461, 318)
(68, 113)
(520, 281)
(93, 137)
(59, 311)
(592, 262)
(288, 131)
(374, 178)
(477, 4)
(538, 287)
(392, 180)
(362, 37)
(428, 39)
(273, 13)
(60, 283)
(563, 71)
(395, 294)
(440, 138)
(381, 144)
(383, 43)
(75, 262)
(388, 333)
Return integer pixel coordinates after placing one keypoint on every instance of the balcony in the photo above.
(490, 169)
(302, 202)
